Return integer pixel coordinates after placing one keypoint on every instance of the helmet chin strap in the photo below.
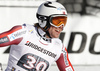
(48, 34)
(46, 31)
(46, 28)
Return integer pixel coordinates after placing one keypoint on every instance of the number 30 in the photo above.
(31, 62)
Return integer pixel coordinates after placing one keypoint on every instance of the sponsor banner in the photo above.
(82, 37)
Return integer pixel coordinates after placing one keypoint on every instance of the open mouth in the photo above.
(58, 31)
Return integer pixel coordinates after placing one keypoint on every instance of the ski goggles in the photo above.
(54, 20)
(57, 21)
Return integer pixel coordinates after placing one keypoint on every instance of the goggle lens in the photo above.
(59, 20)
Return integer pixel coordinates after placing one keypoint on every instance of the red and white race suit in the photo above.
(31, 52)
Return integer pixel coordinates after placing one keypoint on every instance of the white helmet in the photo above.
(48, 10)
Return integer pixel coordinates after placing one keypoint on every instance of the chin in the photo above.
(56, 36)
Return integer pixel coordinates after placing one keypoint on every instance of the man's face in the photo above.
(55, 31)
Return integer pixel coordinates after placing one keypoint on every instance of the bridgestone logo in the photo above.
(41, 49)
(3, 40)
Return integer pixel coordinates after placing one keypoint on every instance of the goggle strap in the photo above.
(42, 17)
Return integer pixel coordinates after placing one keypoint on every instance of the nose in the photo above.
(61, 27)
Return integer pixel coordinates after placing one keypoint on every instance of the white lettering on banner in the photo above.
(69, 68)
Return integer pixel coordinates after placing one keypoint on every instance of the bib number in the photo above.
(33, 62)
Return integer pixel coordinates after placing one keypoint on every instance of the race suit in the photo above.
(32, 51)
